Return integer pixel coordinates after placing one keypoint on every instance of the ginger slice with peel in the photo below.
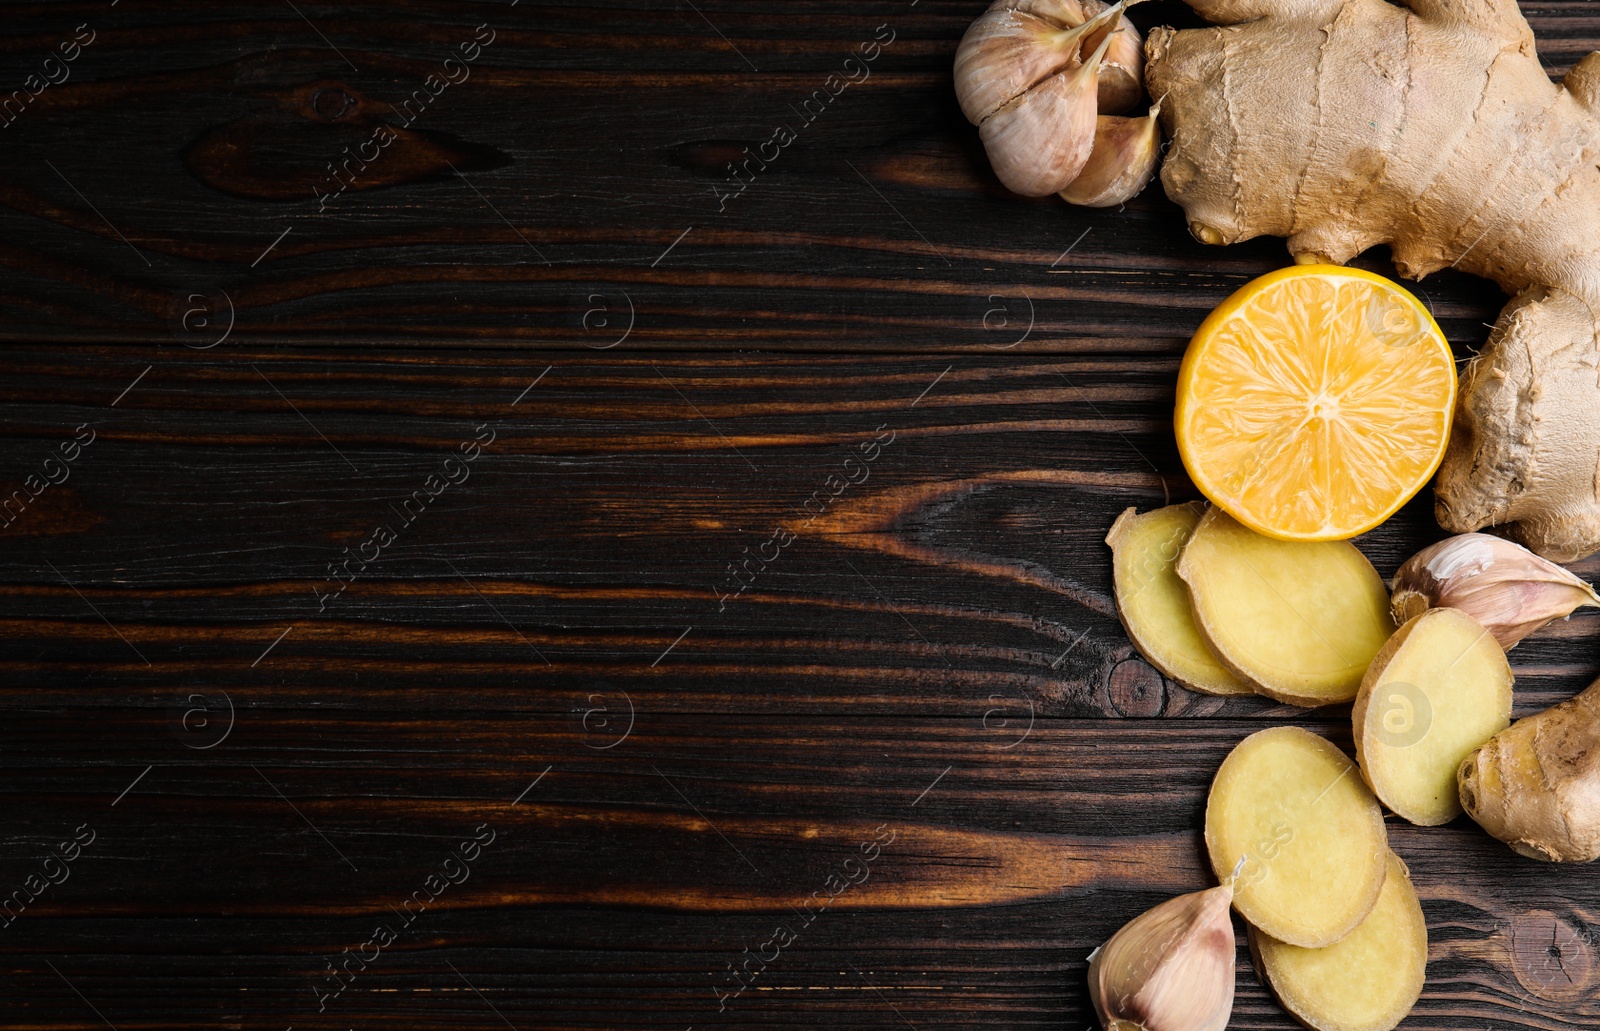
(1154, 603)
(1367, 981)
(1291, 814)
(1440, 688)
(1299, 621)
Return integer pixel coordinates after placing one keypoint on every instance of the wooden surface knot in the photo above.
(1135, 689)
(322, 138)
(1550, 957)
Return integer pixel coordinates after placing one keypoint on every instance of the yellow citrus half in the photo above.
(1314, 402)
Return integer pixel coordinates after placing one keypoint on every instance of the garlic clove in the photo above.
(1122, 72)
(1066, 13)
(1122, 161)
(1499, 583)
(1004, 54)
(1040, 141)
(1121, 83)
(1012, 47)
(1169, 969)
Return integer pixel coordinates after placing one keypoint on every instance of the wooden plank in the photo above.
(222, 527)
(997, 871)
(591, 209)
(672, 754)
(316, 765)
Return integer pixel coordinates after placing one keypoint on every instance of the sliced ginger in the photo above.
(1290, 811)
(1298, 621)
(1154, 603)
(1440, 688)
(1366, 981)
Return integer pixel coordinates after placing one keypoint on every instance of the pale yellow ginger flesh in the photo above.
(1440, 688)
(1293, 809)
(1536, 786)
(1431, 127)
(1154, 603)
(1367, 981)
(1298, 621)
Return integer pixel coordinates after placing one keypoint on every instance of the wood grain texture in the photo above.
(935, 653)
(594, 147)
(781, 534)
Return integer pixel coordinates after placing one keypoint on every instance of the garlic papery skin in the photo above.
(1121, 75)
(1039, 142)
(1007, 52)
(1499, 583)
(1121, 162)
(1016, 44)
(1168, 969)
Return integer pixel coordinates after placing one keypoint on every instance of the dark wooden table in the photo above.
(501, 535)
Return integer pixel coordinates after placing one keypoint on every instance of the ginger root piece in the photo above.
(1154, 603)
(1298, 621)
(1430, 126)
(1440, 688)
(1369, 980)
(1294, 811)
(1536, 786)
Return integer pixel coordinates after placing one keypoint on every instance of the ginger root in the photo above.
(1536, 786)
(1431, 127)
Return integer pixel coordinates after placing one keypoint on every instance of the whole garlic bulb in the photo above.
(1029, 74)
(1170, 968)
(1501, 584)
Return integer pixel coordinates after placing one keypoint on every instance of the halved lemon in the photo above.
(1315, 401)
